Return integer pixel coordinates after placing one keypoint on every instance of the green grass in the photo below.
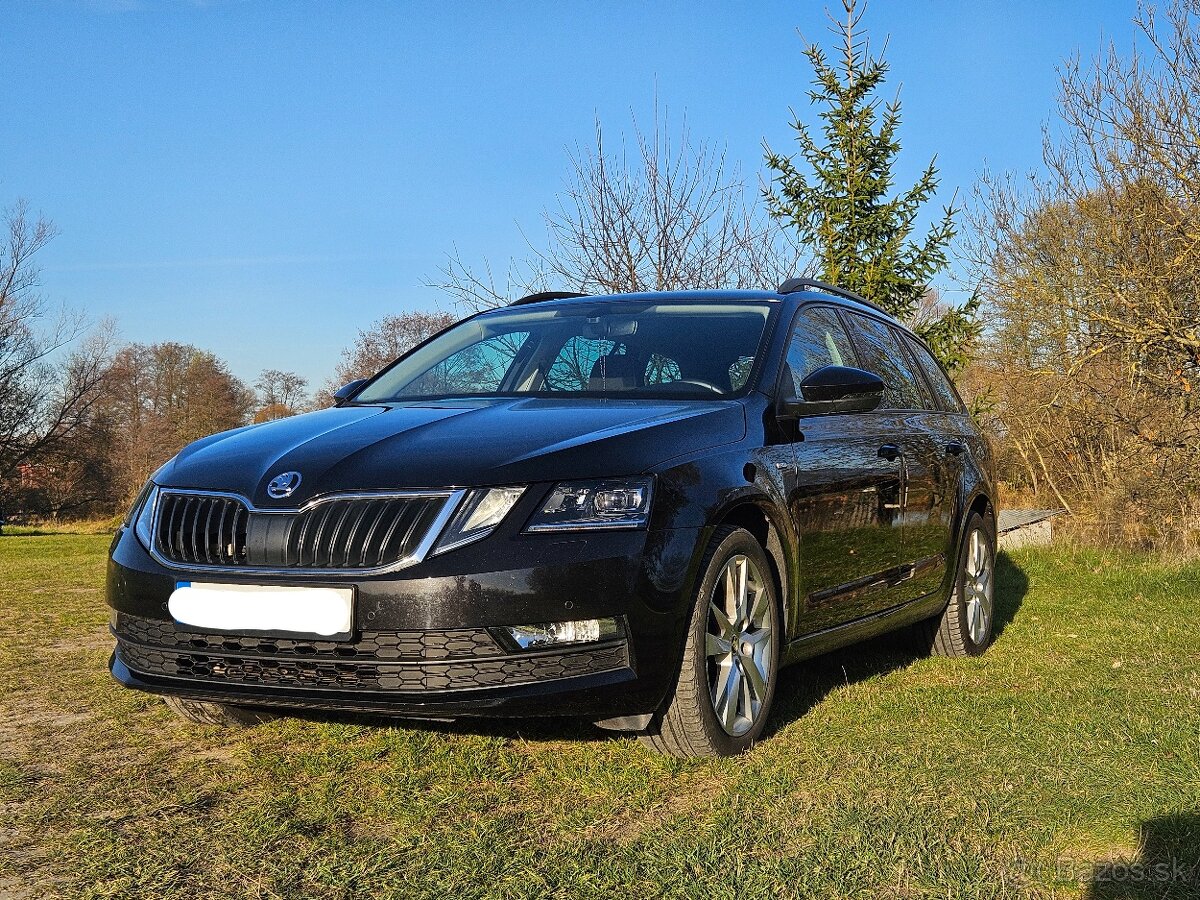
(1074, 743)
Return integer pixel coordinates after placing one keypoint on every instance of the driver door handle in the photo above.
(890, 452)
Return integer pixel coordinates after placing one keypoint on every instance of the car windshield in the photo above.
(626, 349)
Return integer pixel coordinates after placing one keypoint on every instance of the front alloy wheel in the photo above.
(727, 680)
(739, 645)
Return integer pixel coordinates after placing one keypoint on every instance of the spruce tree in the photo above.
(840, 198)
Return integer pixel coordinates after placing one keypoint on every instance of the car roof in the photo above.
(809, 292)
(556, 299)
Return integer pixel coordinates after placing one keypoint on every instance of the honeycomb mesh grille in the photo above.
(404, 661)
(401, 646)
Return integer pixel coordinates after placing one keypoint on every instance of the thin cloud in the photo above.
(125, 6)
(211, 262)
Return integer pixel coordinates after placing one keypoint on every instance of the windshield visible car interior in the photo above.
(681, 350)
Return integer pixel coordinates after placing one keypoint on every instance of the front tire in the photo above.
(226, 715)
(730, 665)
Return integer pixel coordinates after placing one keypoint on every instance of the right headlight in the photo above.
(141, 515)
(611, 503)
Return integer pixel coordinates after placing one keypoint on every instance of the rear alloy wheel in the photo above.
(226, 715)
(966, 628)
(727, 681)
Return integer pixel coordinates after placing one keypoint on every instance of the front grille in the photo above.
(194, 528)
(406, 661)
(352, 533)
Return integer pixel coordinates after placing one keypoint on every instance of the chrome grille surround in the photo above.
(301, 541)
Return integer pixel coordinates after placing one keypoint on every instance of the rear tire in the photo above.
(967, 626)
(226, 715)
(730, 665)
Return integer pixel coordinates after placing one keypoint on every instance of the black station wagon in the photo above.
(633, 508)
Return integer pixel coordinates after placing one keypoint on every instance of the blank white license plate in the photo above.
(311, 611)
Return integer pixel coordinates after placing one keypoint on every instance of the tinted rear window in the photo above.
(883, 355)
(947, 398)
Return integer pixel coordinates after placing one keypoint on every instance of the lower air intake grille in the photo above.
(405, 661)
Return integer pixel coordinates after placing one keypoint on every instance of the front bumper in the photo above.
(424, 643)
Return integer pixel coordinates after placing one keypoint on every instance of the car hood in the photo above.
(453, 444)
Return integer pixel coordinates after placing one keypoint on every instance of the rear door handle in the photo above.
(890, 452)
(955, 448)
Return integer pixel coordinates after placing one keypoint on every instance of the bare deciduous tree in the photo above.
(1092, 280)
(161, 397)
(379, 344)
(46, 392)
(280, 394)
(665, 214)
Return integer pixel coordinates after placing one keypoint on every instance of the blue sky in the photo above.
(262, 179)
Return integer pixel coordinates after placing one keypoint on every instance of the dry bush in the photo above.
(1091, 281)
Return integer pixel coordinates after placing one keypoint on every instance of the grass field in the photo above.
(1066, 762)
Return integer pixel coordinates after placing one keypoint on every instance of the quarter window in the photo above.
(884, 356)
(818, 340)
(947, 397)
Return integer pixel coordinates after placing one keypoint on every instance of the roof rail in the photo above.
(545, 295)
(794, 285)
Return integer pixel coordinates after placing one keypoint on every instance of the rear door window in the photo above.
(883, 355)
(818, 339)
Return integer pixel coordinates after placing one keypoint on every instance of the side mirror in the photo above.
(348, 390)
(835, 389)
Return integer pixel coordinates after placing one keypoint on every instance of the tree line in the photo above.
(1079, 348)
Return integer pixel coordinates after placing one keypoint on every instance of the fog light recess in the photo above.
(557, 634)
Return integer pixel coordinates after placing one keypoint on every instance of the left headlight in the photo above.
(480, 512)
(141, 516)
(611, 503)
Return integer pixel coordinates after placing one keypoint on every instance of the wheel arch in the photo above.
(751, 514)
(979, 502)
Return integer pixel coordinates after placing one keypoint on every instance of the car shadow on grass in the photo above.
(1166, 867)
(801, 687)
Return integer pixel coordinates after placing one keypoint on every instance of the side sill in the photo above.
(824, 641)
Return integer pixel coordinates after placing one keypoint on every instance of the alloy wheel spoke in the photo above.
(757, 636)
(749, 704)
(716, 645)
(723, 623)
(754, 678)
(743, 589)
(731, 602)
(725, 671)
(758, 611)
(730, 699)
(978, 624)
